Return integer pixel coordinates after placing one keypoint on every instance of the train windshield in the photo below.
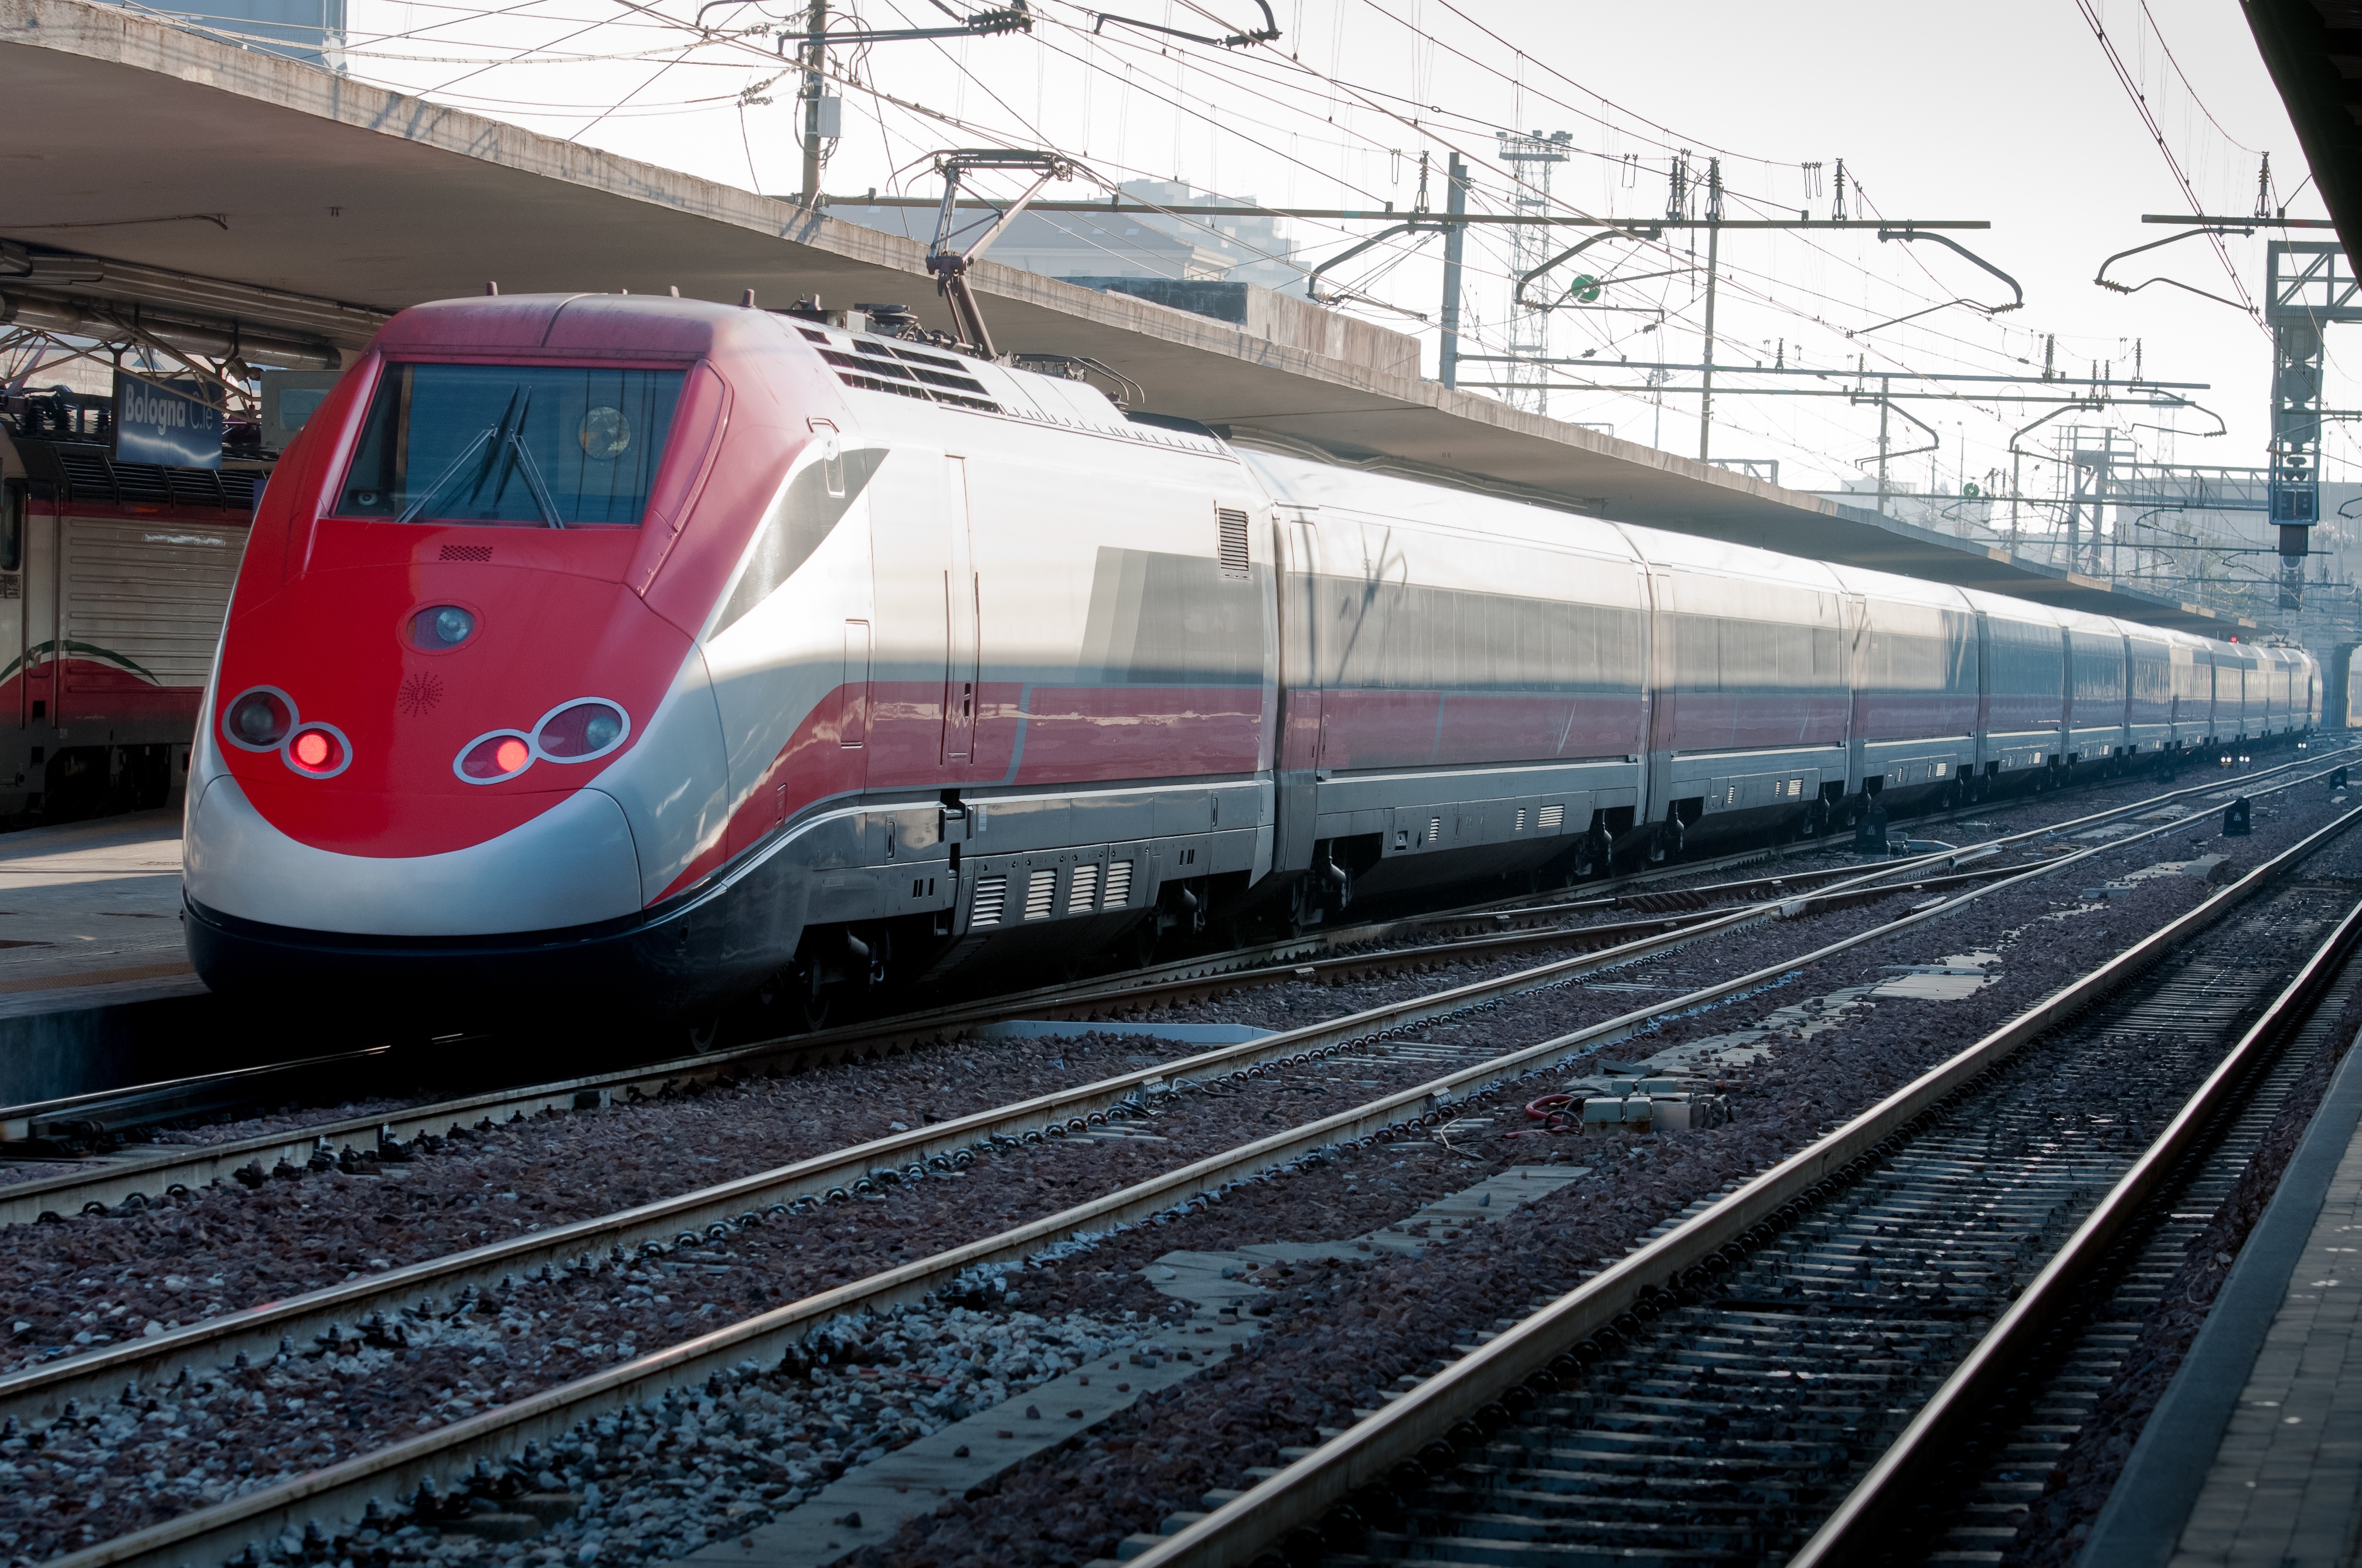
(534, 446)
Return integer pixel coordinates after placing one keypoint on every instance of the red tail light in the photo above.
(318, 752)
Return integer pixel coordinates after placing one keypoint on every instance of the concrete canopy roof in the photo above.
(2313, 50)
(301, 201)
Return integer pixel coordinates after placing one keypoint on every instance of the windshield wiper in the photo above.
(410, 513)
(513, 447)
(532, 472)
(507, 442)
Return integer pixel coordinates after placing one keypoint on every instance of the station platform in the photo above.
(92, 961)
(2253, 1457)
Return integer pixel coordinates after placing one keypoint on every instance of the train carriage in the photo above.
(1916, 673)
(624, 655)
(2097, 686)
(1751, 704)
(1463, 679)
(114, 577)
(2026, 674)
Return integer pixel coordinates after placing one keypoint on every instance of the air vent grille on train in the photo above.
(1235, 541)
(1041, 891)
(1086, 890)
(1435, 829)
(1553, 817)
(991, 898)
(1119, 885)
(873, 372)
(1521, 819)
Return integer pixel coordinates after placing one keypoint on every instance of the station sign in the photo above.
(169, 422)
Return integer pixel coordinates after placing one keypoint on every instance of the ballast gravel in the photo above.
(2078, 1484)
(93, 1281)
(1341, 1335)
(1077, 1503)
(418, 1370)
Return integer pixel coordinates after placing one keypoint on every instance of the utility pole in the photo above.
(810, 98)
(1885, 385)
(1455, 203)
(1713, 255)
(2016, 489)
(1529, 157)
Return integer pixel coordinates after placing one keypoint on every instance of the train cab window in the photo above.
(541, 445)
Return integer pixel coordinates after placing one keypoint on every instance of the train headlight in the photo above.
(441, 627)
(257, 720)
(578, 730)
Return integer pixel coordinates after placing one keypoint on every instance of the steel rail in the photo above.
(1177, 977)
(692, 1216)
(1848, 1534)
(339, 1492)
(1190, 978)
(1174, 976)
(112, 1178)
(194, 1166)
(1367, 1453)
(122, 1179)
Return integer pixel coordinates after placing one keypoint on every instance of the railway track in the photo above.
(331, 1497)
(53, 1130)
(1851, 1356)
(141, 1174)
(49, 1130)
(1973, 1483)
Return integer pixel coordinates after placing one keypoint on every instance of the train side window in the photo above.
(11, 526)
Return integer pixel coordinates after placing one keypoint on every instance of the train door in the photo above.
(1856, 609)
(1298, 752)
(910, 653)
(961, 601)
(1984, 694)
(2132, 680)
(2213, 697)
(1659, 693)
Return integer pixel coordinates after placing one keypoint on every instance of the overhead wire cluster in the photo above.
(1259, 109)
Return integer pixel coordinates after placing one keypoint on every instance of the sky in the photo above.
(2010, 113)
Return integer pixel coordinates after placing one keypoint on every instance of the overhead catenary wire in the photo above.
(1226, 93)
(2140, 105)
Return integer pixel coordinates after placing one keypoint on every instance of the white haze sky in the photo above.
(2008, 112)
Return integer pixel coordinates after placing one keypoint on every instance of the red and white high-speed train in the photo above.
(615, 654)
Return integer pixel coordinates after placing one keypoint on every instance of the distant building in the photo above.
(309, 30)
(1204, 247)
